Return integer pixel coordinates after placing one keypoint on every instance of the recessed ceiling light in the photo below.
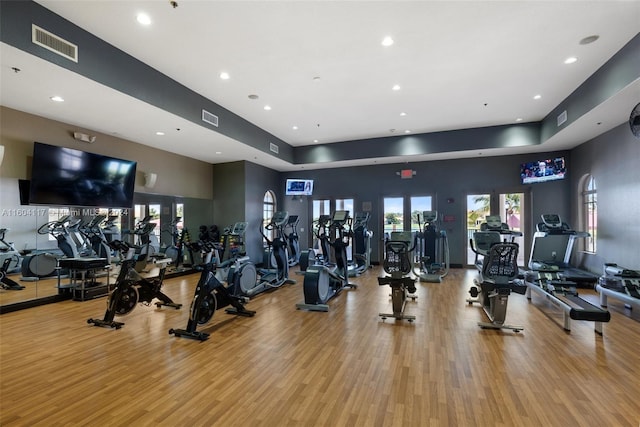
(537, 96)
(589, 39)
(218, 152)
(159, 133)
(267, 107)
(387, 41)
(57, 98)
(570, 60)
(315, 140)
(407, 131)
(519, 119)
(295, 128)
(403, 114)
(396, 87)
(143, 19)
(224, 75)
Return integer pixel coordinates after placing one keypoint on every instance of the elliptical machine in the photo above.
(44, 263)
(361, 244)
(233, 266)
(10, 261)
(312, 256)
(95, 235)
(271, 278)
(210, 295)
(323, 282)
(432, 249)
(397, 263)
(292, 238)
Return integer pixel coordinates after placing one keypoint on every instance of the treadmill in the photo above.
(551, 250)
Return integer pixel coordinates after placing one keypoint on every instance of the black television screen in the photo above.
(67, 177)
(543, 170)
(299, 187)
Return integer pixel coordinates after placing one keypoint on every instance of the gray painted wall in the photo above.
(612, 159)
(447, 181)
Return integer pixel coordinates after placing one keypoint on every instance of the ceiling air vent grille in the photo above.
(274, 148)
(562, 118)
(210, 118)
(54, 43)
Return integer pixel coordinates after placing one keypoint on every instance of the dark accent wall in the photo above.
(447, 181)
(612, 159)
(239, 189)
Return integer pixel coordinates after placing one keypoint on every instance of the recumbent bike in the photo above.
(397, 263)
(498, 278)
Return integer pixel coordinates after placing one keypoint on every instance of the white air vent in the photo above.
(210, 118)
(274, 148)
(54, 43)
(562, 117)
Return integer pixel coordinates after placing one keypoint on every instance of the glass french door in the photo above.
(478, 208)
(513, 211)
(393, 215)
(419, 204)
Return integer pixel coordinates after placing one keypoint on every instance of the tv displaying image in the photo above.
(299, 187)
(543, 170)
(67, 177)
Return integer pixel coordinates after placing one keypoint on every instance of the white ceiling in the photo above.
(321, 67)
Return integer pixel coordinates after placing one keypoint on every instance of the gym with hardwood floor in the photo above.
(312, 213)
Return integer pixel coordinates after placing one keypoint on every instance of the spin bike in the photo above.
(210, 295)
(323, 282)
(130, 289)
(397, 263)
(498, 278)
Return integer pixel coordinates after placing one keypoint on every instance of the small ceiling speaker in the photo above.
(150, 179)
(634, 121)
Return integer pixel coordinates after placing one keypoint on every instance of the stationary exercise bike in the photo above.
(397, 263)
(498, 278)
(325, 281)
(130, 289)
(210, 295)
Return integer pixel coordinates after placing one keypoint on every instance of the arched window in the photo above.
(268, 208)
(590, 212)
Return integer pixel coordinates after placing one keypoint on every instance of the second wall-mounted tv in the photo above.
(299, 187)
(543, 170)
(67, 177)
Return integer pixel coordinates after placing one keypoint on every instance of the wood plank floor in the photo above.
(286, 367)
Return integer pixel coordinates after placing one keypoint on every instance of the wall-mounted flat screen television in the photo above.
(67, 177)
(299, 187)
(543, 170)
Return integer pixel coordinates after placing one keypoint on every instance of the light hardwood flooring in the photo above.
(346, 367)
